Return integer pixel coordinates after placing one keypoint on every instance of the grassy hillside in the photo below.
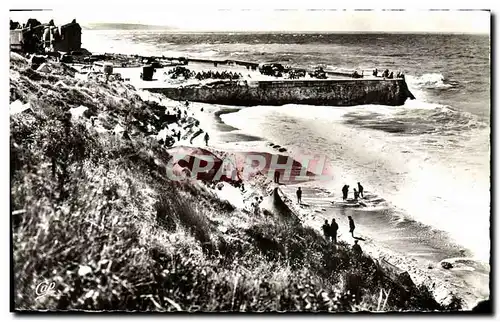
(96, 214)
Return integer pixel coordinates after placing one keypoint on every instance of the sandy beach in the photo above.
(389, 242)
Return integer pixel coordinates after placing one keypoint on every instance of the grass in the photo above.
(104, 224)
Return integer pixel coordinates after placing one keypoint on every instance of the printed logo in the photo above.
(203, 165)
(44, 288)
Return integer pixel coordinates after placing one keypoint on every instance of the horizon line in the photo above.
(174, 30)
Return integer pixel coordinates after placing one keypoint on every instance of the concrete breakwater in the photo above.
(334, 92)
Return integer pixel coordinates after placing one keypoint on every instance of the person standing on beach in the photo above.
(334, 227)
(299, 196)
(356, 194)
(360, 189)
(351, 226)
(207, 137)
(326, 230)
(345, 191)
(276, 177)
(356, 248)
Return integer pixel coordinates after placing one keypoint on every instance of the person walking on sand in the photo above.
(334, 227)
(299, 196)
(361, 189)
(351, 226)
(356, 248)
(345, 191)
(326, 230)
(207, 137)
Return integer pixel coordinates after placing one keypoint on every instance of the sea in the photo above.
(428, 160)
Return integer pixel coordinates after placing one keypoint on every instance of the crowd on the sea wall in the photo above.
(278, 70)
(388, 74)
(186, 73)
(217, 75)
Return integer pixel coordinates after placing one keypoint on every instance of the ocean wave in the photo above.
(207, 53)
(414, 118)
(429, 81)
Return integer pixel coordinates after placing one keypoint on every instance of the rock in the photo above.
(118, 129)
(77, 112)
(84, 270)
(430, 267)
(44, 68)
(18, 107)
(36, 61)
(446, 265)
(282, 149)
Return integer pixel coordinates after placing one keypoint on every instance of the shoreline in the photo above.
(443, 283)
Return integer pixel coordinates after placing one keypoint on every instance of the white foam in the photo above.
(428, 80)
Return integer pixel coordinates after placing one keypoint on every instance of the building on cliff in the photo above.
(68, 38)
(35, 37)
(16, 36)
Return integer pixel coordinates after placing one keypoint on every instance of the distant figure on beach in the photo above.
(334, 227)
(255, 206)
(375, 72)
(391, 75)
(345, 191)
(326, 230)
(386, 73)
(207, 137)
(276, 177)
(299, 195)
(179, 135)
(187, 104)
(356, 248)
(361, 189)
(356, 194)
(351, 226)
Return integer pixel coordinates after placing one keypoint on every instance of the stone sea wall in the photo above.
(316, 92)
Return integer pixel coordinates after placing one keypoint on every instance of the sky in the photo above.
(212, 19)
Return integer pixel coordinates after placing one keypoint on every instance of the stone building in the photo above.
(68, 37)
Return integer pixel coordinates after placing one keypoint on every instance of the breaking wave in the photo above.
(429, 81)
(208, 53)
